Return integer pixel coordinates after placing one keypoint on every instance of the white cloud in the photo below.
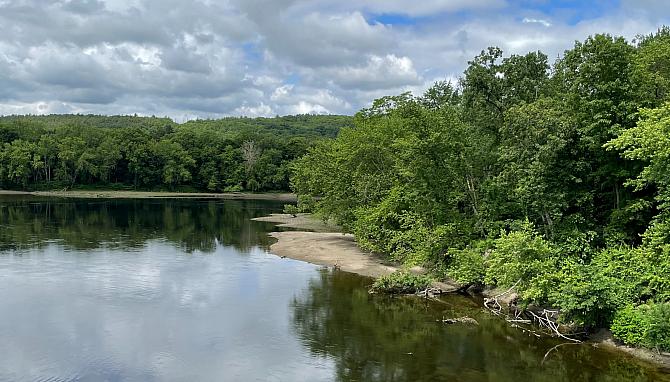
(426, 7)
(257, 57)
(303, 107)
(528, 20)
(385, 72)
(281, 92)
(261, 110)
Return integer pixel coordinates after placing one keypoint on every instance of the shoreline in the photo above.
(323, 243)
(314, 241)
(103, 194)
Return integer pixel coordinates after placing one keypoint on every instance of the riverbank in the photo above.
(322, 243)
(95, 194)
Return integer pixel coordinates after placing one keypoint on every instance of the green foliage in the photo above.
(630, 325)
(658, 334)
(232, 154)
(652, 67)
(291, 209)
(401, 282)
(467, 266)
(518, 258)
(585, 295)
(644, 325)
(554, 180)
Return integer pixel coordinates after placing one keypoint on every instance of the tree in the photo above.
(174, 162)
(75, 158)
(536, 143)
(17, 160)
(652, 68)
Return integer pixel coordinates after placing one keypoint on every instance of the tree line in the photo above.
(552, 178)
(230, 154)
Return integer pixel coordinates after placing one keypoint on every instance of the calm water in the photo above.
(179, 290)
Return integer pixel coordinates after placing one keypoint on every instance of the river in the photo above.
(186, 290)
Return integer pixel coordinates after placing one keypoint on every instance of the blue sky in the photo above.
(212, 58)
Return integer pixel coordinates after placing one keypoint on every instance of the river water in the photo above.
(186, 290)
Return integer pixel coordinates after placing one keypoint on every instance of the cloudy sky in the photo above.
(211, 58)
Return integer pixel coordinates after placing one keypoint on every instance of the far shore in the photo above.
(102, 194)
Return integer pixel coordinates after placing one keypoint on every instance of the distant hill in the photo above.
(229, 154)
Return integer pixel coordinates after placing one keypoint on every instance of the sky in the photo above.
(214, 58)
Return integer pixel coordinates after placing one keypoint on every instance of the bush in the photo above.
(630, 325)
(306, 203)
(632, 270)
(645, 325)
(401, 283)
(518, 256)
(658, 334)
(291, 209)
(235, 188)
(585, 295)
(467, 266)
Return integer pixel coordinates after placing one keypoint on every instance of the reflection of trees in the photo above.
(190, 224)
(369, 338)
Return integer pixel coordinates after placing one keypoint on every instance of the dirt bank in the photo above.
(322, 243)
(604, 338)
(301, 222)
(330, 249)
(284, 197)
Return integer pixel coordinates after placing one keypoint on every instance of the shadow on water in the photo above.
(30, 222)
(379, 338)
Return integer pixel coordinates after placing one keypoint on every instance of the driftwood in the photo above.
(493, 304)
(546, 318)
(429, 292)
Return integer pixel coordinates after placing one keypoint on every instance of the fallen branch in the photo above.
(548, 323)
(492, 303)
(546, 319)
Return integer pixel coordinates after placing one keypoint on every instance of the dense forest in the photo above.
(230, 154)
(550, 178)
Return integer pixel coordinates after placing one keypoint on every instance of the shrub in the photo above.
(658, 334)
(585, 295)
(630, 325)
(630, 267)
(645, 325)
(401, 283)
(467, 266)
(306, 203)
(518, 256)
(291, 209)
(234, 188)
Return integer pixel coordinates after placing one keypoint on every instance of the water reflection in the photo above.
(184, 290)
(28, 222)
(375, 338)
